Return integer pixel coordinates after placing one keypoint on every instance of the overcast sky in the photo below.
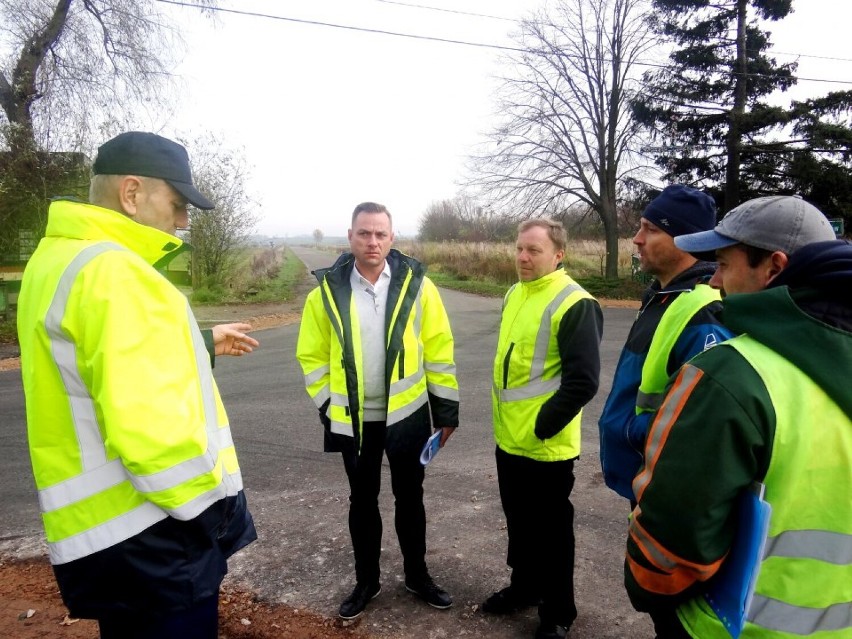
(330, 117)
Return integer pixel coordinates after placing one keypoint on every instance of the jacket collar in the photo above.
(698, 273)
(544, 281)
(77, 220)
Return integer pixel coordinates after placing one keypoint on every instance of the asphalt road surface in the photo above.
(299, 495)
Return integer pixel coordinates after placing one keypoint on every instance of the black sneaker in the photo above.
(551, 631)
(355, 603)
(429, 592)
(507, 601)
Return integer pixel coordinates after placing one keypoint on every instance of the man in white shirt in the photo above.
(382, 378)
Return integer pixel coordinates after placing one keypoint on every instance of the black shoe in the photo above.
(355, 603)
(429, 592)
(551, 631)
(507, 601)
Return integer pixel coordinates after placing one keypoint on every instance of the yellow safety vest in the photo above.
(655, 375)
(528, 369)
(125, 423)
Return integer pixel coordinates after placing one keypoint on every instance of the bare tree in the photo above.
(462, 218)
(67, 65)
(318, 235)
(218, 236)
(568, 135)
(441, 221)
(70, 70)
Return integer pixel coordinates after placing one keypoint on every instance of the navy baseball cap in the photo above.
(150, 155)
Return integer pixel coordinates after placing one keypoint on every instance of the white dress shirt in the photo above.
(371, 304)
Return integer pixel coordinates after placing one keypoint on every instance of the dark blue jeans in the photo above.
(199, 622)
(540, 522)
(365, 521)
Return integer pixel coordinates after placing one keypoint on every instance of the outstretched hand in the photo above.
(231, 339)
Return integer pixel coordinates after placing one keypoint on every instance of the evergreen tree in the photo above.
(708, 110)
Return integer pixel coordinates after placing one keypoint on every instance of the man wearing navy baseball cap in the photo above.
(139, 485)
(677, 320)
(150, 155)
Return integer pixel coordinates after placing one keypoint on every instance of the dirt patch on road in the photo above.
(31, 608)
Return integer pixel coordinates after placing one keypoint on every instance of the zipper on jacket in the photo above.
(401, 360)
(506, 365)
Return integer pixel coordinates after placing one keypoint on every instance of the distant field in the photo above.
(489, 268)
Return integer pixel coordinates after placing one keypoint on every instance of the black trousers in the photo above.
(365, 521)
(199, 622)
(540, 521)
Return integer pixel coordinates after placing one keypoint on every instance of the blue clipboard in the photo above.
(431, 447)
(730, 591)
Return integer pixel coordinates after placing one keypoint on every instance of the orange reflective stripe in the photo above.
(668, 414)
(660, 583)
(673, 574)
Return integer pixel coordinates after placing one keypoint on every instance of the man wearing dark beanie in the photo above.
(677, 320)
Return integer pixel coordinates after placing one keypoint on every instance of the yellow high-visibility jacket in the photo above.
(420, 373)
(804, 582)
(125, 423)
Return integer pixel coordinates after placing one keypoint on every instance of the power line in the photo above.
(492, 17)
(346, 26)
(399, 34)
(808, 55)
(464, 13)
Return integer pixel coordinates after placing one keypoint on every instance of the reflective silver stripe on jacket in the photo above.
(818, 545)
(440, 367)
(106, 534)
(409, 409)
(418, 323)
(649, 401)
(542, 339)
(444, 392)
(315, 376)
(323, 393)
(798, 620)
(536, 386)
(528, 391)
(322, 396)
(342, 428)
(402, 385)
(110, 474)
(440, 390)
(92, 450)
(822, 545)
(99, 474)
(232, 484)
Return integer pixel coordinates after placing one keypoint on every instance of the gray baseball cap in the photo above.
(776, 223)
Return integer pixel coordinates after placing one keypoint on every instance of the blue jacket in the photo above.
(622, 431)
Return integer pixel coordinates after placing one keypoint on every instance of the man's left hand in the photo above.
(231, 339)
(446, 433)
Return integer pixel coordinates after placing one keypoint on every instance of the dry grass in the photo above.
(495, 263)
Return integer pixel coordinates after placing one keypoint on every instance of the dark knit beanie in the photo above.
(680, 209)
